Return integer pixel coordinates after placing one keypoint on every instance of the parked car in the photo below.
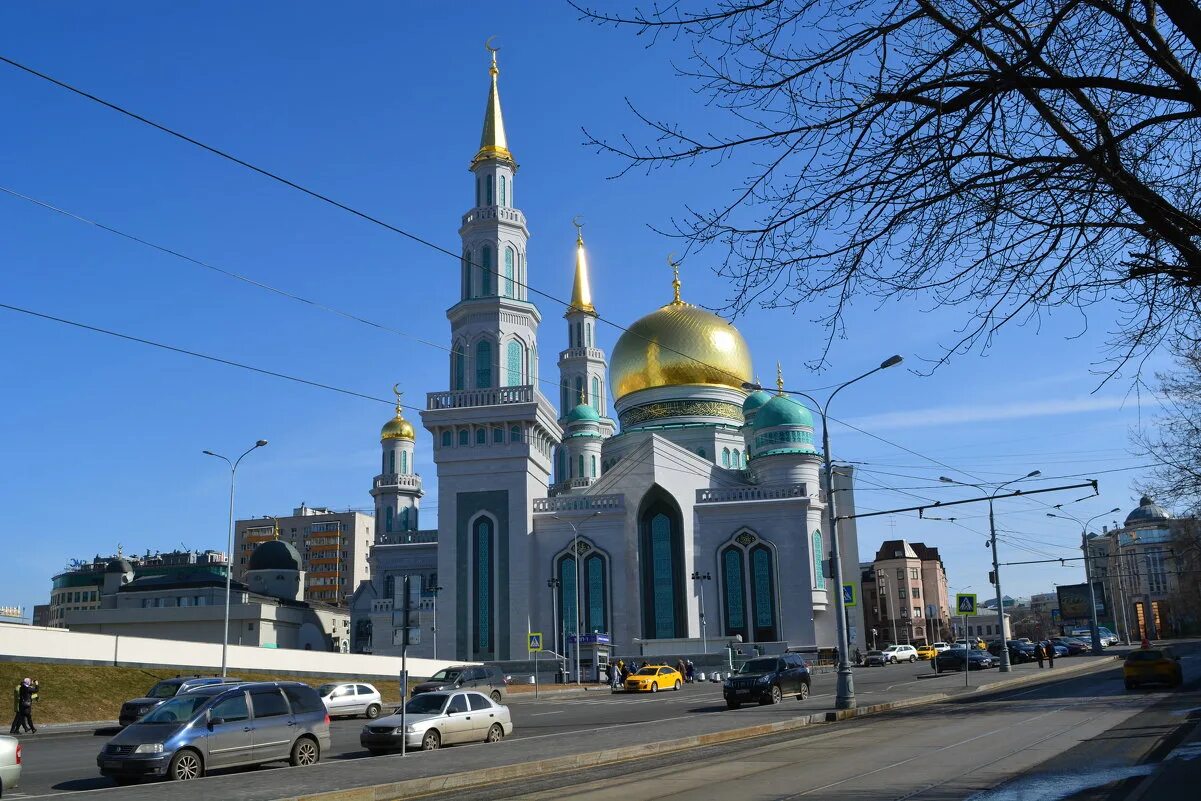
(1019, 651)
(1085, 633)
(1060, 650)
(351, 699)
(435, 719)
(925, 652)
(1075, 647)
(487, 679)
(135, 708)
(963, 658)
(1152, 666)
(901, 653)
(10, 763)
(653, 678)
(220, 726)
(875, 658)
(766, 680)
(975, 642)
(940, 646)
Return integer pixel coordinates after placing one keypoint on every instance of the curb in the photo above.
(485, 776)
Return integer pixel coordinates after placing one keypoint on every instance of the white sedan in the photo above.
(435, 719)
(350, 700)
(10, 764)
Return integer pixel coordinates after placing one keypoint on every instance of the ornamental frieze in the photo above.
(665, 409)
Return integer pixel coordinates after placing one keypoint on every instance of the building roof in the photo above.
(890, 549)
(274, 555)
(1148, 511)
(195, 579)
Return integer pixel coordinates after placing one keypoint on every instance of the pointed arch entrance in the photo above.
(661, 565)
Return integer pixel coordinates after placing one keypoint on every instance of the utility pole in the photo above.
(702, 578)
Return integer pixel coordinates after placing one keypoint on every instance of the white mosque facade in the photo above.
(680, 484)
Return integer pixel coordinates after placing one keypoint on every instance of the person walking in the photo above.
(1050, 654)
(689, 671)
(23, 697)
(1039, 654)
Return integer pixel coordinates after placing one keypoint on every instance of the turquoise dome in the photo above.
(782, 411)
(754, 401)
(583, 413)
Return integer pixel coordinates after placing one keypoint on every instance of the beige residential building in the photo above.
(334, 547)
(904, 591)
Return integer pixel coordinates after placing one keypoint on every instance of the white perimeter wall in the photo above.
(37, 644)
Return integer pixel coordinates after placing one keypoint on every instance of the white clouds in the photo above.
(984, 413)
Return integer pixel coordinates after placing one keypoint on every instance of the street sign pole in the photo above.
(404, 669)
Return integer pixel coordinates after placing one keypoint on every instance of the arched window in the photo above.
(388, 519)
(446, 439)
(533, 379)
(819, 554)
(390, 587)
(725, 457)
(596, 585)
(391, 462)
(459, 368)
(483, 364)
(514, 357)
(587, 335)
(508, 271)
(465, 277)
(763, 584)
(747, 572)
(581, 472)
(463, 437)
(481, 436)
(734, 592)
(593, 467)
(662, 566)
(383, 468)
(404, 519)
(488, 190)
(596, 402)
(479, 190)
(487, 268)
(515, 434)
(503, 187)
(736, 458)
(567, 597)
(580, 397)
(561, 466)
(579, 335)
(404, 462)
(498, 434)
(483, 584)
(564, 391)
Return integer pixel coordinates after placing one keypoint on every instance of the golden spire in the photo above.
(779, 380)
(396, 391)
(675, 281)
(581, 290)
(493, 144)
(398, 427)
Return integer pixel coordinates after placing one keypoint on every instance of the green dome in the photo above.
(583, 413)
(754, 401)
(782, 411)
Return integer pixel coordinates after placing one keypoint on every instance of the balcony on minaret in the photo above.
(397, 481)
(489, 213)
(467, 398)
(563, 487)
(582, 353)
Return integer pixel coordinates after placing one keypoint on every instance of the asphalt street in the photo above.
(66, 763)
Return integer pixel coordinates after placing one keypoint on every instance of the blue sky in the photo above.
(379, 105)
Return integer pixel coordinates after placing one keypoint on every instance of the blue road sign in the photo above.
(848, 595)
(535, 641)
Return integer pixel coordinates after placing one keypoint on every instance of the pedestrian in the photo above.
(858, 657)
(681, 668)
(689, 671)
(609, 673)
(1050, 654)
(1039, 654)
(23, 697)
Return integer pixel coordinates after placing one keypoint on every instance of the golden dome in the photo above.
(676, 345)
(398, 427)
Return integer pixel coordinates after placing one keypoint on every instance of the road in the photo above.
(65, 763)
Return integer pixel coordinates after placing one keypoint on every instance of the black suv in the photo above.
(486, 678)
(766, 680)
(1019, 651)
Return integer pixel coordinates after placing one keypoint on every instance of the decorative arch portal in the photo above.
(594, 589)
(661, 563)
(747, 572)
(483, 586)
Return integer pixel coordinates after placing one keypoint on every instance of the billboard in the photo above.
(1073, 600)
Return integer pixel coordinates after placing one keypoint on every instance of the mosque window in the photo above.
(483, 364)
(503, 193)
(725, 457)
(819, 553)
(561, 466)
(567, 595)
(661, 541)
(533, 379)
(404, 519)
(498, 434)
(581, 473)
(736, 458)
(595, 592)
(587, 335)
(478, 190)
(481, 538)
(579, 335)
(383, 468)
(459, 360)
(733, 592)
(388, 519)
(463, 437)
(515, 434)
(446, 439)
(508, 272)
(596, 401)
(580, 397)
(390, 587)
(488, 190)
(481, 436)
(465, 276)
(487, 268)
(763, 592)
(404, 461)
(593, 467)
(515, 356)
(391, 462)
(564, 391)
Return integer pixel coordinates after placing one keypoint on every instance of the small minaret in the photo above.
(583, 370)
(397, 488)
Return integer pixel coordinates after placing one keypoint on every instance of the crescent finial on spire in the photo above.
(675, 280)
(779, 380)
(493, 70)
(396, 391)
(579, 229)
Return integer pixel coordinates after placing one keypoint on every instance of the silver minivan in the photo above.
(220, 726)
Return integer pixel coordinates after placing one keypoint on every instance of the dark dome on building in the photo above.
(274, 555)
(1148, 511)
(118, 565)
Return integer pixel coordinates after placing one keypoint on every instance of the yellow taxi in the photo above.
(1152, 666)
(653, 678)
(926, 652)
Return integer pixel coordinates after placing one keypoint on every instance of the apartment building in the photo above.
(905, 596)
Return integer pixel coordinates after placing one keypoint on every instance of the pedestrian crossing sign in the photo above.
(535, 641)
(848, 595)
(965, 603)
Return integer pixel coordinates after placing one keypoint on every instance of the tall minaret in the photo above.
(397, 488)
(582, 366)
(494, 432)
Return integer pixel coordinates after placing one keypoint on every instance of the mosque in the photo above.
(692, 512)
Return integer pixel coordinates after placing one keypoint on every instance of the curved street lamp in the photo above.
(229, 567)
(844, 697)
(1088, 573)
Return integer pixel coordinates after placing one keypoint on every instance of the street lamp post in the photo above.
(575, 558)
(996, 567)
(553, 585)
(702, 578)
(434, 627)
(229, 567)
(1088, 573)
(844, 697)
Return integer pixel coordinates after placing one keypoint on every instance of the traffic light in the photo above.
(992, 577)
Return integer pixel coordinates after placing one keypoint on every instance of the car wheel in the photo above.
(432, 741)
(678, 685)
(495, 696)
(495, 734)
(733, 705)
(775, 696)
(373, 712)
(305, 751)
(804, 692)
(185, 766)
(912, 659)
(655, 687)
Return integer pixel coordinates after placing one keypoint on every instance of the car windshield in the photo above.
(179, 709)
(164, 689)
(426, 704)
(648, 671)
(893, 648)
(446, 674)
(758, 666)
